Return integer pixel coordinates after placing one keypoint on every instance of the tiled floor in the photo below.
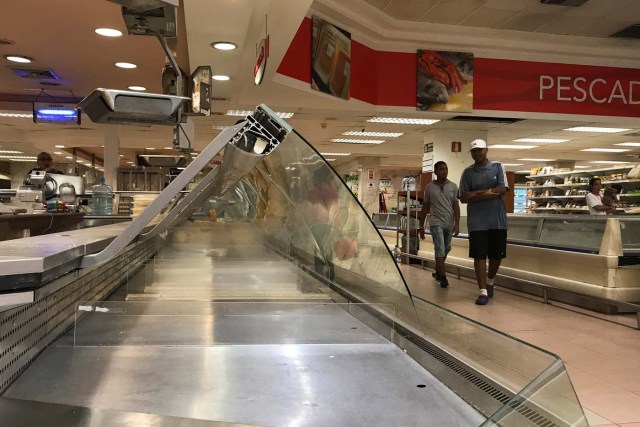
(603, 358)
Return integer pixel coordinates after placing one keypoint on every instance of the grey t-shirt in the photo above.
(440, 201)
(487, 214)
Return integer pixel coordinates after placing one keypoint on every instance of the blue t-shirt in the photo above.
(489, 214)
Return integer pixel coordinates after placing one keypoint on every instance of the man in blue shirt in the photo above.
(481, 187)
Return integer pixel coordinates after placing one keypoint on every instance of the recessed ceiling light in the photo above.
(149, 148)
(168, 148)
(596, 129)
(108, 32)
(336, 154)
(513, 147)
(377, 134)
(523, 172)
(541, 140)
(403, 121)
(224, 45)
(129, 163)
(606, 150)
(18, 58)
(120, 155)
(220, 77)
(358, 141)
(629, 144)
(248, 112)
(537, 160)
(58, 153)
(69, 157)
(59, 146)
(512, 164)
(10, 152)
(126, 65)
(582, 167)
(138, 88)
(609, 162)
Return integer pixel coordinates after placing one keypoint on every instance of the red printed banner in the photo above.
(543, 87)
(389, 78)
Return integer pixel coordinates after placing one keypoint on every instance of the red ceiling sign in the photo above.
(389, 78)
(555, 88)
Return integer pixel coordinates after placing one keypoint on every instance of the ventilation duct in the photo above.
(34, 73)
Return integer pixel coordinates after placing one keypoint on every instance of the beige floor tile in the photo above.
(596, 420)
(602, 357)
(617, 407)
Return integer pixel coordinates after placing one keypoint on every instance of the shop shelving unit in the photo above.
(408, 223)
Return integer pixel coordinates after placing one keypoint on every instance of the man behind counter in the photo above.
(45, 163)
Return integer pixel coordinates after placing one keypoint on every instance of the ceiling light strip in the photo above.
(402, 120)
(595, 129)
(358, 141)
(542, 140)
(375, 134)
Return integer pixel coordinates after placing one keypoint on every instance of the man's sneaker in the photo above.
(444, 283)
(482, 300)
(490, 291)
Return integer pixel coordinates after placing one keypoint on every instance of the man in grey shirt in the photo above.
(441, 202)
(482, 186)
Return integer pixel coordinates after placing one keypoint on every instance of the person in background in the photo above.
(441, 202)
(481, 187)
(45, 163)
(594, 199)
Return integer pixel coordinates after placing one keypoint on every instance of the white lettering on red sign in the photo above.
(580, 89)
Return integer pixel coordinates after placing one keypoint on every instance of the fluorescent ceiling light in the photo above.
(358, 141)
(582, 167)
(402, 121)
(224, 45)
(218, 127)
(108, 32)
(10, 152)
(248, 112)
(513, 147)
(609, 162)
(376, 134)
(629, 144)
(17, 115)
(220, 77)
(330, 160)
(168, 148)
(537, 160)
(58, 153)
(11, 159)
(138, 88)
(149, 148)
(13, 156)
(523, 172)
(127, 65)
(18, 58)
(336, 154)
(69, 157)
(541, 140)
(596, 129)
(129, 163)
(59, 146)
(606, 150)
(512, 164)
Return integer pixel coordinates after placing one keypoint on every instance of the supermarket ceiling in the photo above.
(66, 44)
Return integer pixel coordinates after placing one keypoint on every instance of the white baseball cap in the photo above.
(478, 143)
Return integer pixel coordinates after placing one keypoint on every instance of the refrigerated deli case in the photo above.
(290, 311)
(596, 256)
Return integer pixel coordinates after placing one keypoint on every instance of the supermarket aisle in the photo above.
(603, 358)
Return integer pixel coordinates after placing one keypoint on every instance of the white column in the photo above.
(456, 162)
(111, 155)
(369, 185)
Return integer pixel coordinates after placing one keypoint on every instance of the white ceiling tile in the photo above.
(547, 9)
(488, 18)
(599, 9)
(451, 11)
(526, 22)
(516, 5)
(409, 10)
(567, 25)
(630, 11)
(379, 4)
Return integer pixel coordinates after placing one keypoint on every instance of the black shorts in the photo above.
(490, 244)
